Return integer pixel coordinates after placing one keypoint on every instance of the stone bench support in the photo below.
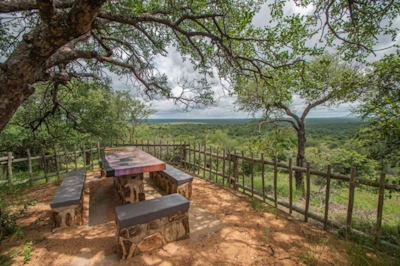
(173, 180)
(67, 204)
(148, 225)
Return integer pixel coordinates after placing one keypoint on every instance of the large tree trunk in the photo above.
(300, 159)
(27, 64)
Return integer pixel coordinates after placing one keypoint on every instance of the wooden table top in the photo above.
(127, 160)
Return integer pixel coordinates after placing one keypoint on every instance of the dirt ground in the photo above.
(225, 230)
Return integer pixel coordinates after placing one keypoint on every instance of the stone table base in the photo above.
(149, 236)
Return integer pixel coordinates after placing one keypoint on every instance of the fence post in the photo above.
(91, 155)
(235, 170)
(185, 155)
(252, 174)
(290, 186)
(211, 163)
(217, 166)
(56, 162)
(262, 176)
(205, 161)
(308, 192)
(243, 172)
(9, 170)
(84, 156)
(276, 180)
(98, 151)
(223, 168)
(199, 165)
(66, 158)
(381, 197)
(180, 153)
(45, 165)
(351, 198)
(30, 167)
(75, 157)
(327, 194)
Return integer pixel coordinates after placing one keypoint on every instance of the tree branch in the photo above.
(47, 10)
(289, 113)
(278, 120)
(28, 5)
(314, 104)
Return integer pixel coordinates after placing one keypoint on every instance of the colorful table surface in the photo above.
(127, 160)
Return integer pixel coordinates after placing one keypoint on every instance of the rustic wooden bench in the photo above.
(148, 225)
(173, 180)
(67, 204)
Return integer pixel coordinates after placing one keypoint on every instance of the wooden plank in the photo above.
(263, 176)
(223, 168)
(290, 187)
(45, 166)
(30, 167)
(327, 194)
(154, 148)
(352, 187)
(56, 162)
(76, 158)
(65, 158)
(167, 150)
(160, 150)
(276, 180)
(379, 216)
(9, 170)
(308, 193)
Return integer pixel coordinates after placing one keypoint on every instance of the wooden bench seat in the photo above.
(148, 225)
(173, 180)
(67, 202)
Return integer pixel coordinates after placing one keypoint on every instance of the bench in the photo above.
(67, 203)
(173, 180)
(148, 225)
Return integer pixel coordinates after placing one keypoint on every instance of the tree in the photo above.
(86, 112)
(380, 108)
(325, 81)
(59, 41)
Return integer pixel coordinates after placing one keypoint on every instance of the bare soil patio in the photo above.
(225, 230)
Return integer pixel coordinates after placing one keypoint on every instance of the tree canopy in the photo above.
(59, 41)
(381, 110)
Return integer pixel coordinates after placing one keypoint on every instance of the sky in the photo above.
(173, 66)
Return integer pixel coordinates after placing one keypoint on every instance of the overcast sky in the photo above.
(173, 66)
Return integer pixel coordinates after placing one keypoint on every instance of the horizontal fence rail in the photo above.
(226, 167)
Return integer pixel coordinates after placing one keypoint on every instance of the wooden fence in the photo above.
(229, 168)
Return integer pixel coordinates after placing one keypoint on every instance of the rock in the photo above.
(150, 243)
(155, 224)
(124, 233)
(185, 222)
(135, 230)
(177, 216)
(68, 219)
(171, 232)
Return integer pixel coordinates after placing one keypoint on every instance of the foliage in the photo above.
(381, 109)
(89, 112)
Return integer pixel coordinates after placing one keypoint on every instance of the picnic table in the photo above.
(126, 165)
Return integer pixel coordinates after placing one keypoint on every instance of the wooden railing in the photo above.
(225, 167)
